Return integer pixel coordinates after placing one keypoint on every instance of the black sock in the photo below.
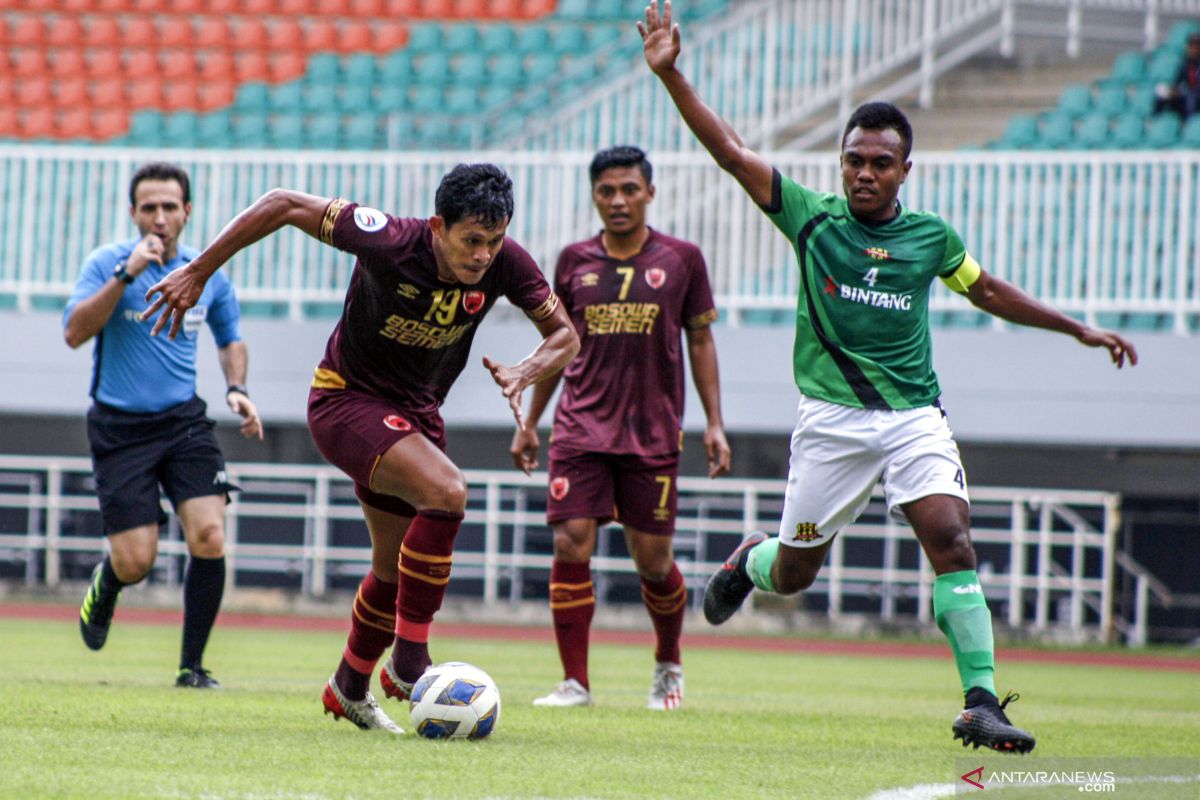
(352, 683)
(203, 586)
(109, 582)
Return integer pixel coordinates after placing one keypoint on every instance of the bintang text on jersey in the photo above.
(621, 318)
(416, 333)
(871, 297)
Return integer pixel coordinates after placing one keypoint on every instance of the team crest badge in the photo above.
(559, 488)
(656, 277)
(807, 532)
(397, 422)
(368, 219)
(473, 301)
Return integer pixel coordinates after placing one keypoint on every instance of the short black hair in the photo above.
(623, 155)
(482, 192)
(160, 171)
(881, 116)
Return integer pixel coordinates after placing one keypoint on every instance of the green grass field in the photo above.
(79, 724)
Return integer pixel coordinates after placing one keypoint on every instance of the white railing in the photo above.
(1046, 557)
(1090, 233)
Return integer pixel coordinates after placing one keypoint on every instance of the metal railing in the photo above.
(1047, 558)
(1090, 233)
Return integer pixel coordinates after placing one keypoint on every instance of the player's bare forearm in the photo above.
(661, 45)
(274, 210)
(235, 362)
(702, 354)
(90, 316)
(1000, 298)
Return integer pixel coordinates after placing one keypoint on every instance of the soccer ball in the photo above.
(455, 701)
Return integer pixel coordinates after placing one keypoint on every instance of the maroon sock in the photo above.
(665, 600)
(572, 605)
(425, 557)
(371, 631)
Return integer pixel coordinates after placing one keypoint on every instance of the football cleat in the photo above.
(364, 713)
(96, 613)
(666, 692)
(568, 693)
(729, 586)
(198, 678)
(983, 722)
(392, 684)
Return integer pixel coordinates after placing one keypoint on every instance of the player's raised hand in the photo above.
(1119, 348)
(511, 384)
(660, 39)
(244, 407)
(177, 292)
(719, 454)
(524, 449)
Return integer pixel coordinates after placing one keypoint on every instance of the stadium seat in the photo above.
(138, 32)
(469, 68)
(1092, 133)
(104, 63)
(68, 64)
(1128, 132)
(1141, 100)
(498, 38)
(1111, 99)
(1189, 136)
(360, 68)
(318, 97)
(70, 92)
(494, 97)
(460, 99)
(143, 94)
(360, 132)
(285, 34)
(424, 38)
(103, 32)
(213, 130)
(536, 9)
(323, 131)
(110, 125)
(214, 95)
(293, 8)
(65, 32)
(1075, 100)
(540, 67)
(460, 38)
(249, 34)
(179, 129)
(212, 33)
(216, 66)
(396, 68)
(323, 68)
(1178, 35)
(32, 91)
(145, 129)
(322, 36)
(1164, 66)
(425, 99)
(601, 37)
(28, 63)
(392, 98)
(286, 66)
(354, 98)
(174, 32)
(504, 9)
(285, 98)
(433, 69)
(180, 96)
(568, 40)
(329, 9)
(468, 9)
(506, 69)
(532, 39)
(106, 93)
(1162, 131)
(252, 97)
(366, 9)
(1128, 67)
(579, 10)
(248, 130)
(27, 31)
(389, 36)
(177, 65)
(285, 131)
(73, 124)
(1056, 131)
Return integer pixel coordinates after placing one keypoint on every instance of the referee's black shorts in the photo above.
(132, 454)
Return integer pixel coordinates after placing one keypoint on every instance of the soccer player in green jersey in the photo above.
(869, 398)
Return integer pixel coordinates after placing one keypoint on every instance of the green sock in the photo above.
(758, 563)
(962, 614)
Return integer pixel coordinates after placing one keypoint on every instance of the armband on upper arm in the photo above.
(329, 219)
(962, 278)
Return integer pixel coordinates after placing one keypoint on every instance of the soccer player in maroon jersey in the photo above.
(614, 454)
(417, 294)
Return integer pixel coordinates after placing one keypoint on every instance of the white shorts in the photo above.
(839, 453)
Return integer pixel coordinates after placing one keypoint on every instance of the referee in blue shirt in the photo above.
(146, 426)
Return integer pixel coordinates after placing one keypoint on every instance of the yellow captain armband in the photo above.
(961, 279)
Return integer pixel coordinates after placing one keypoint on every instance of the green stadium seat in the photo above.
(1189, 136)
(361, 132)
(1178, 35)
(493, 97)
(532, 39)
(541, 67)
(460, 38)
(355, 97)
(398, 133)
(432, 132)
(1129, 67)
(145, 129)
(574, 10)
(505, 69)
(1112, 100)
(179, 129)
(532, 101)
(323, 131)
(1162, 131)
(391, 98)
(360, 68)
(286, 98)
(1141, 100)
(318, 97)
(600, 37)
(396, 68)
(213, 129)
(286, 131)
(470, 68)
(1075, 100)
(251, 97)
(568, 40)
(461, 99)
(1056, 131)
(425, 100)
(1129, 132)
(424, 38)
(1092, 132)
(249, 130)
(1164, 66)
(497, 38)
(433, 69)
(323, 68)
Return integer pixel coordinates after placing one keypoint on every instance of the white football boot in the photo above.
(568, 693)
(666, 692)
(364, 713)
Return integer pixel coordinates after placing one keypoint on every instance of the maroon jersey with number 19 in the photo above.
(405, 334)
(623, 393)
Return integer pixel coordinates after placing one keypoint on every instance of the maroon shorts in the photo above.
(354, 429)
(638, 491)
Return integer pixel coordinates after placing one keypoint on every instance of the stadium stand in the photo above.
(403, 58)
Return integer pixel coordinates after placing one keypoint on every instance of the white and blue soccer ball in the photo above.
(455, 701)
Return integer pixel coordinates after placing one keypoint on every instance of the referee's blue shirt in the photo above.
(137, 372)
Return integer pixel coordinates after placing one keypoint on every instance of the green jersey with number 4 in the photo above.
(862, 316)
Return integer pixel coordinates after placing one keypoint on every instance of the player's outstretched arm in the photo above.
(661, 44)
(181, 289)
(702, 353)
(235, 362)
(1002, 299)
(560, 343)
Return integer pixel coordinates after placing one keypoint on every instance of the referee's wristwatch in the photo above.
(121, 274)
(240, 388)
